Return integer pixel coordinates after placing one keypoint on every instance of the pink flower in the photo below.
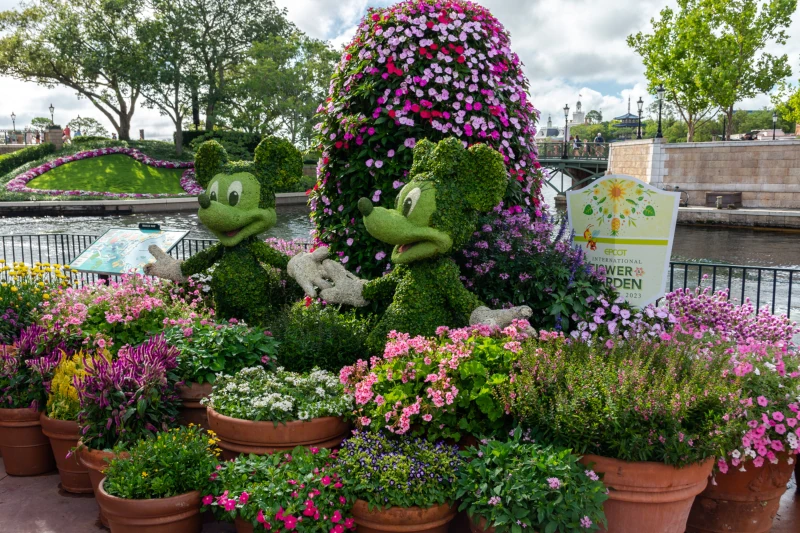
(777, 416)
(243, 497)
(554, 483)
(326, 480)
(208, 499)
(586, 522)
(230, 505)
(336, 517)
(762, 401)
(290, 522)
(380, 255)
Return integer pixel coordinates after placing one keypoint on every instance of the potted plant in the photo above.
(60, 424)
(299, 491)
(256, 411)
(517, 485)
(744, 494)
(441, 388)
(206, 349)
(159, 486)
(646, 411)
(23, 372)
(124, 400)
(397, 482)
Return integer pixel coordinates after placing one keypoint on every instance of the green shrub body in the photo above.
(9, 162)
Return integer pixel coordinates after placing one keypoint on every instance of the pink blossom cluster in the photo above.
(290, 247)
(188, 181)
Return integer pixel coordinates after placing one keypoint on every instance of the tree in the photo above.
(735, 64)
(594, 116)
(40, 123)
(87, 126)
(787, 104)
(223, 31)
(672, 57)
(91, 46)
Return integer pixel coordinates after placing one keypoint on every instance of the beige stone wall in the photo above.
(767, 173)
(632, 158)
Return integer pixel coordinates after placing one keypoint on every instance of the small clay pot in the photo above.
(96, 462)
(245, 436)
(477, 524)
(648, 496)
(26, 450)
(741, 502)
(63, 435)
(191, 412)
(243, 526)
(403, 519)
(178, 514)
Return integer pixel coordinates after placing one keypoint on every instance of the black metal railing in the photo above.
(586, 150)
(777, 288)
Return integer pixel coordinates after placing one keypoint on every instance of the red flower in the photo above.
(434, 46)
(376, 17)
(425, 114)
(430, 24)
(348, 57)
(423, 50)
(392, 113)
(460, 59)
(338, 144)
(459, 49)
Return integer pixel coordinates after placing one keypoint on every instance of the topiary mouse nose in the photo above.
(204, 200)
(365, 206)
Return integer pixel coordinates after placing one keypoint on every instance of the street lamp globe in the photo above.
(640, 104)
(660, 91)
(566, 129)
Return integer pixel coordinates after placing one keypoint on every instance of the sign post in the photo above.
(627, 227)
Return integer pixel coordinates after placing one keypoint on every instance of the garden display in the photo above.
(406, 483)
(238, 205)
(436, 213)
(157, 489)
(258, 412)
(298, 490)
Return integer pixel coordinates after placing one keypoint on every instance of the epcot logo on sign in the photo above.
(627, 227)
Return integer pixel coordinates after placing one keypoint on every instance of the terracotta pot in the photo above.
(403, 519)
(648, 496)
(26, 451)
(741, 502)
(63, 436)
(96, 462)
(477, 524)
(191, 411)
(178, 514)
(259, 438)
(243, 526)
(797, 472)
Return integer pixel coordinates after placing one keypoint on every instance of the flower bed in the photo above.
(188, 181)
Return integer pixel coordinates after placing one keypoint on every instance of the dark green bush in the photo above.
(279, 160)
(13, 160)
(239, 145)
(209, 158)
(322, 336)
(83, 139)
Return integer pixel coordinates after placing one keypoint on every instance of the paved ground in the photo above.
(37, 505)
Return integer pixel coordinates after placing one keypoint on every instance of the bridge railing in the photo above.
(586, 150)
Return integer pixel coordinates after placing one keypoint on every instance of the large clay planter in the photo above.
(191, 411)
(403, 519)
(63, 435)
(741, 502)
(178, 514)
(648, 496)
(244, 436)
(243, 526)
(26, 450)
(477, 524)
(96, 462)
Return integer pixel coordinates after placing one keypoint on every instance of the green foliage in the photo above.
(209, 349)
(87, 126)
(9, 162)
(209, 158)
(22, 290)
(264, 489)
(239, 145)
(168, 464)
(84, 139)
(398, 472)
(313, 335)
(280, 396)
(510, 482)
(639, 399)
(278, 160)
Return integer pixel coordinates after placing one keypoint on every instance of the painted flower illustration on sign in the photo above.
(638, 272)
(619, 202)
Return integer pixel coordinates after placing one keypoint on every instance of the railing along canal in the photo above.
(776, 288)
(586, 150)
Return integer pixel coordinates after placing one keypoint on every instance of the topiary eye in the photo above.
(234, 192)
(213, 191)
(411, 201)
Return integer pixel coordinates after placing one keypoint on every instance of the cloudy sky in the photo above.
(569, 48)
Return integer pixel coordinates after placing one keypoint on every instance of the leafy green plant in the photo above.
(62, 401)
(9, 162)
(316, 335)
(516, 485)
(300, 489)
(209, 158)
(280, 396)
(279, 159)
(392, 471)
(207, 349)
(167, 464)
(239, 145)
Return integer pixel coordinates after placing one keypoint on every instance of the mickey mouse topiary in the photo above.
(238, 205)
(435, 214)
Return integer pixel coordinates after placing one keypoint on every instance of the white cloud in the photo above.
(568, 47)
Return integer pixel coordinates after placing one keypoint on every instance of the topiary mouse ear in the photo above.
(485, 172)
(423, 158)
(208, 161)
(278, 162)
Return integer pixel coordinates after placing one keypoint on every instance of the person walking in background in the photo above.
(67, 136)
(598, 144)
(38, 138)
(113, 136)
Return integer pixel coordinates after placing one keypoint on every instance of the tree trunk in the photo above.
(124, 128)
(195, 107)
(690, 124)
(729, 127)
(178, 138)
(210, 113)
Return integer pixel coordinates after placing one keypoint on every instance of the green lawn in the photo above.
(111, 173)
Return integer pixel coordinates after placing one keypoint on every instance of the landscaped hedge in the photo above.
(13, 160)
(83, 139)
(238, 144)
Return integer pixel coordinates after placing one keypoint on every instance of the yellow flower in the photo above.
(14, 289)
(46, 296)
(144, 474)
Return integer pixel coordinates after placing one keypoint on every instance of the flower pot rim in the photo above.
(19, 414)
(212, 412)
(432, 506)
(116, 499)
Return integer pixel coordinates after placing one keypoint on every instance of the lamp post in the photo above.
(13, 122)
(724, 126)
(639, 103)
(774, 123)
(660, 93)
(566, 128)
(52, 111)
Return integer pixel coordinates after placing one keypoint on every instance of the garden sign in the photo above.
(124, 250)
(627, 227)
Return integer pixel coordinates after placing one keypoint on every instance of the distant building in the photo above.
(578, 116)
(550, 132)
(628, 120)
